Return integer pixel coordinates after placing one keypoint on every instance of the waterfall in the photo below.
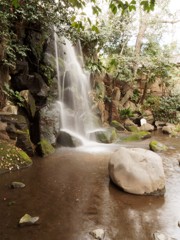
(74, 86)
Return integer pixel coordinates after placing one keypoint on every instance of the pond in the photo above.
(72, 194)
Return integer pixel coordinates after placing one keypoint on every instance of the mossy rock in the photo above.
(45, 149)
(12, 158)
(134, 129)
(117, 125)
(135, 137)
(108, 135)
(50, 60)
(157, 146)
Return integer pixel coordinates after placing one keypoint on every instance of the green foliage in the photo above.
(13, 96)
(94, 67)
(106, 98)
(48, 72)
(126, 113)
(135, 96)
(167, 109)
(151, 102)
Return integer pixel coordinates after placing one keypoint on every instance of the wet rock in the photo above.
(168, 129)
(98, 234)
(159, 124)
(129, 123)
(157, 146)
(99, 109)
(45, 149)
(161, 236)
(67, 140)
(17, 185)
(40, 89)
(137, 171)
(49, 122)
(147, 127)
(107, 135)
(116, 94)
(148, 116)
(27, 220)
(29, 103)
(117, 125)
(135, 137)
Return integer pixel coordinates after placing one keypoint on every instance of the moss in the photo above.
(46, 148)
(133, 129)
(157, 146)
(117, 125)
(12, 158)
(107, 136)
(135, 137)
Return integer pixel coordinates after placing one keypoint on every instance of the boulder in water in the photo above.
(67, 140)
(157, 146)
(168, 129)
(17, 185)
(107, 135)
(117, 125)
(135, 137)
(137, 171)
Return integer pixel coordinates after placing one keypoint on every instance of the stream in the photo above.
(72, 194)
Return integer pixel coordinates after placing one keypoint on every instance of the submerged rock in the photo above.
(117, 125)
(161, 236)
(27, 220)
(98, 234)
(157, 146)
(45, 149)
(137, 171)
(107, 135)
(135, 137)
(67, 140)
(17, 185)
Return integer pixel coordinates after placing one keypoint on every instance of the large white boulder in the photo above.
(137, 171)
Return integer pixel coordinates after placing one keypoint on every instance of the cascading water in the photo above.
(74, 86)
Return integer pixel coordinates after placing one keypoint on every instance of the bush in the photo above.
(167, 109)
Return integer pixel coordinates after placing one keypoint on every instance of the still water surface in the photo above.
(72, 194)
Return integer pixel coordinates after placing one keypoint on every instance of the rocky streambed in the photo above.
(72, 194)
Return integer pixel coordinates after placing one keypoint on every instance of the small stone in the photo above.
(28, 220)
(98, 234)
(17, 185)
(161, 236)
(179, 224)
